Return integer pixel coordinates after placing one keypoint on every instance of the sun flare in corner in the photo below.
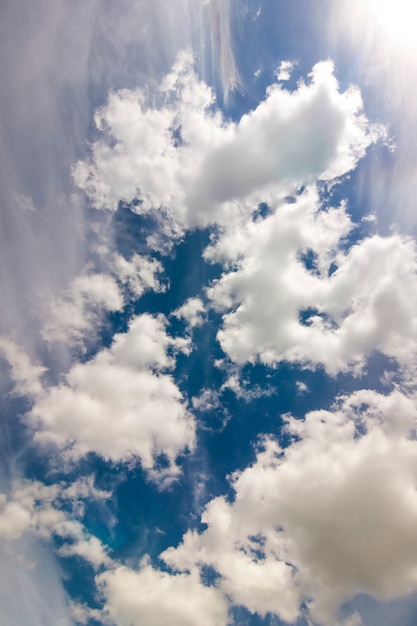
(397, 19)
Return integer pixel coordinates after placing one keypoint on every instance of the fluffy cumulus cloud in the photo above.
(123, 403)
(88, 297)
(292, 291)
(91, 295)
(180, 155)
(156, 598)
(284, 70)
(48, 511)
(330, 516)
(137, 274)
(191, 312)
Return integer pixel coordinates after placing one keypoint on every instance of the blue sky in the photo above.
(208, 332)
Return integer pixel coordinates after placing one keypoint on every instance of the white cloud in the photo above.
(156, 598)
(371, 217)
(242, 388)
(52, 510)
(90, 550)
(192, 312)
(25, 375)
(180, 156)
(91, 294)
(330, 516)
(138, 273)
(88, 297)
(301, 387)
(262, 585)
(14, 519)
(83, 614)
(122, 403)
(277, 307)
(285, 69)
(207, 400)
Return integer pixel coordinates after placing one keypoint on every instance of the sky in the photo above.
(208, 328)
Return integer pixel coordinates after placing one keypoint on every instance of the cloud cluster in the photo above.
(291, 290)
(130, 596)
(122, 403)
(178, 154)
(308, 527)
(284, 70)
(330, 516)
(53, 511)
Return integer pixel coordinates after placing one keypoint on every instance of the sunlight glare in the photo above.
(397, 19)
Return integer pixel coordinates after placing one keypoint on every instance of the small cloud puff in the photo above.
(284, 70)
(192, 312)
(301, 387)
